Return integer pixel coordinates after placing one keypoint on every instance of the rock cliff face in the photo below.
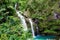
(27, 13)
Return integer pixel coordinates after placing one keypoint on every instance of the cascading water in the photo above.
(31, 23)
(22, 18)
(55, 15)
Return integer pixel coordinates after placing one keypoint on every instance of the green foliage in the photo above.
(10, 24)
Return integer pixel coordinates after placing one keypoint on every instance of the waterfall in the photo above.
(55, 15)
(31, 23)
(22, 18)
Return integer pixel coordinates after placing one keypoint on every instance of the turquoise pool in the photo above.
(40, 37)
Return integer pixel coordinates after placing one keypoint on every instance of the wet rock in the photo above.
(57, 15)
(35, 20)
(27, 13)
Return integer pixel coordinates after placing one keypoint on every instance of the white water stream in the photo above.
(24, 22)
(21, 18)
(31, 23)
